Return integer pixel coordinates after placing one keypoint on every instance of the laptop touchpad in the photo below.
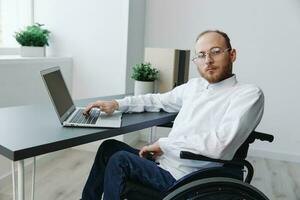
(111, 120)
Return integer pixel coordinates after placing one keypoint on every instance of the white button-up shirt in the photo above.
(213, 120)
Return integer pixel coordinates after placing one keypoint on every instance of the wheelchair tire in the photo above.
(216, 188)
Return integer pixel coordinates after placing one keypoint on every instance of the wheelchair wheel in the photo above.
(216, 188)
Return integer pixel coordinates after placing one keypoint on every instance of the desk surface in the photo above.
(28, 131)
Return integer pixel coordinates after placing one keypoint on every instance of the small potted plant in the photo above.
(33, 40)
(144, 75)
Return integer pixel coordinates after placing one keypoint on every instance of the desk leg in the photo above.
(13, 174)
(21, 181)
(152, 135)
(33, 178)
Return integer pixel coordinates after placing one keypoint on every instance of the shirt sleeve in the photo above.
(169, 102)
(240, 119)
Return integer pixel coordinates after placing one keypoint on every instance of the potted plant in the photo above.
(144, 75)
(33, 40)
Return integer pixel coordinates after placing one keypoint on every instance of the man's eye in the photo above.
(201, 55)
(215, 51)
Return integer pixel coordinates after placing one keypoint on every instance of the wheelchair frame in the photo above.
(223, 175)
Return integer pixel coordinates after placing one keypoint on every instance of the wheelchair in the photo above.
(225, 182)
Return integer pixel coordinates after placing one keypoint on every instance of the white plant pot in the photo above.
(143, 87)
(26, 51)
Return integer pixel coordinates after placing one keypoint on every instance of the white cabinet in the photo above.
(21, 82)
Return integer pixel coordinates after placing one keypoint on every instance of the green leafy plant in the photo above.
(144, 72)
(33, 35)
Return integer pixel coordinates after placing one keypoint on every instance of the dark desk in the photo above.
(29, 131)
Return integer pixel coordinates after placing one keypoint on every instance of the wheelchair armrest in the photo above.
(192, 156)
(263, 136)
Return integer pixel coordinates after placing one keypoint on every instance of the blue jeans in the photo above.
(117, 162)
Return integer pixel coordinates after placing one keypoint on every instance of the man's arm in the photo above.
(170, 102)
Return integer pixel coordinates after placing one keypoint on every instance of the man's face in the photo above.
(214, 67)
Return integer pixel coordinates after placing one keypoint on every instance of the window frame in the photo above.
(24, 12)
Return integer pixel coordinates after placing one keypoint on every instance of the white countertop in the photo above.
(18, 57)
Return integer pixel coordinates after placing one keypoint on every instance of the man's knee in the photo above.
(108, 148)
(108, 144)
(105, 149)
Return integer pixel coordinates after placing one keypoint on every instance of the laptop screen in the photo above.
(58, 91)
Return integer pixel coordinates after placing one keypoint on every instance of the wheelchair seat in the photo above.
(222, 182)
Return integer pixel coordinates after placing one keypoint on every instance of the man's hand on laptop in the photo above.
(105, 106)
(154, 150)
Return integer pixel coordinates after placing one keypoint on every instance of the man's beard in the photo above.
(218, 75)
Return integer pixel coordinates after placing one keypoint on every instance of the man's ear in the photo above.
(232, 55)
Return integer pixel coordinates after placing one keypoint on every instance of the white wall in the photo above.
(266, 36)
(94, 33)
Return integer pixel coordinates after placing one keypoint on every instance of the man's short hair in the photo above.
(224, 35)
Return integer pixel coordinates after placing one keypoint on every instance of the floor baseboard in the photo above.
(274, 155)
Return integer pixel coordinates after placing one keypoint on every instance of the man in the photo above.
(216, 114)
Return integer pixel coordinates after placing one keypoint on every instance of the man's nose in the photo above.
(208, 59)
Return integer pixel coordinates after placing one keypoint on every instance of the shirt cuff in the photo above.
(163, 144)
(123, 104)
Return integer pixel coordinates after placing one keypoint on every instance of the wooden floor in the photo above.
(63, 177)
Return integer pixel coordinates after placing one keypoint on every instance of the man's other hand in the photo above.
(105, 106)
(154, 148)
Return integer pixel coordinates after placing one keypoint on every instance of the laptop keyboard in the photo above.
(80, 118)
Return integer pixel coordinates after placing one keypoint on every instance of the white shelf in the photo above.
(21, 82)
(18, 58)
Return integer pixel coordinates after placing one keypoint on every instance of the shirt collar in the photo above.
(229, 82)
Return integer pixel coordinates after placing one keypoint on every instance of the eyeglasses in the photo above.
(213, 52)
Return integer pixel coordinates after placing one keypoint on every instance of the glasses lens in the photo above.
(201, 55)
(215, 51)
